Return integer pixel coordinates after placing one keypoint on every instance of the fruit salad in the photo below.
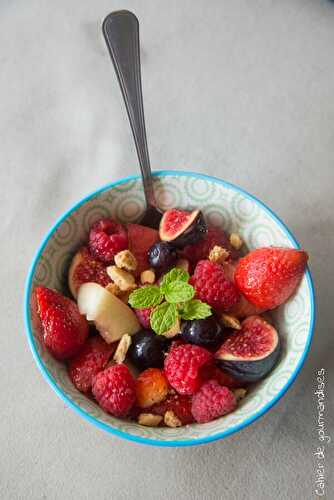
(168, 327)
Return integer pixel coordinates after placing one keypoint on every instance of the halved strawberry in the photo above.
(64, 328)
(141, 238)
(92, 358)
(269, 276)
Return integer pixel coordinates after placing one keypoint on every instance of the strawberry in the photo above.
(64, 328)
(243, 307)
(269, 276)
(92, 358)
(141, 238)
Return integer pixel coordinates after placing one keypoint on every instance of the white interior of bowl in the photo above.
(223, 205)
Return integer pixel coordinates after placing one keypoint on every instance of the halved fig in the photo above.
(251, 353)
(85, 268)
(181, 227)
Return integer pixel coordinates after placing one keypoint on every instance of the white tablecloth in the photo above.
(238, 89)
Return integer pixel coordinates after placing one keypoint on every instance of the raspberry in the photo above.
(114, 390)
(106, 239)
(212, 401)
(177, 403)
(212, 286)
(92, 359)
(215, 236)
(151, 387)
(64, 328)
(182, 367)
(143, 316)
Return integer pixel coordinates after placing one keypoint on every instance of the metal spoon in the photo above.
(121, 33)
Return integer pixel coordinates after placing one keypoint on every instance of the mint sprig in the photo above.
(175, 274)
(195, 309)
(163, 317)
(178, 291)
(147, 296)
(170, 301)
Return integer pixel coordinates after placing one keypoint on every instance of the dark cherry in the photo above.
(162, 255)
(147, 350)
(203, 332)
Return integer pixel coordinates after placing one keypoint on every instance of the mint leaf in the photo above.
(178, 291)
(195, 309)
(175, 274)
(163, 317)
(147, 296)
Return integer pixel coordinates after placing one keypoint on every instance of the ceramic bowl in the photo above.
(223, 205)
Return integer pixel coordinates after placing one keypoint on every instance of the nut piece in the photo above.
(236, 241)
(171, 420)
(147, 277)
(122, 278)
(239, 393)
(174, 330)
(122, 349)
(183, 264)
(218, 254)
(114, 289)
(126, 260)
(149, 419)
(230, 321)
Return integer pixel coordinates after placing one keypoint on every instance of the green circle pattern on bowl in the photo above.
(222, 205)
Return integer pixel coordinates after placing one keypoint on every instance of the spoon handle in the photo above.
(121, 33)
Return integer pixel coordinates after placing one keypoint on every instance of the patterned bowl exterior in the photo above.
(223, 205)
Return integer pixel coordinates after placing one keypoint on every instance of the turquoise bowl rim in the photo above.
(52, 382)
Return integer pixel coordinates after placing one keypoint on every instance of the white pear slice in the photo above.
(111, 316)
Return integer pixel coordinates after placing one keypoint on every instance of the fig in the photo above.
(85, 268)
(181, 227)
(251, 353)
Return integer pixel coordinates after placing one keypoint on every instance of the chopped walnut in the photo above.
(218, 254)
(183, 264)
(149, 419)
(122, 349)
(114, 289)
(236, 241)
(239, 393)
(126, 260)
(171, 420)
(122, 278)
(147, 277)
(174, 330)
(230, 321)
